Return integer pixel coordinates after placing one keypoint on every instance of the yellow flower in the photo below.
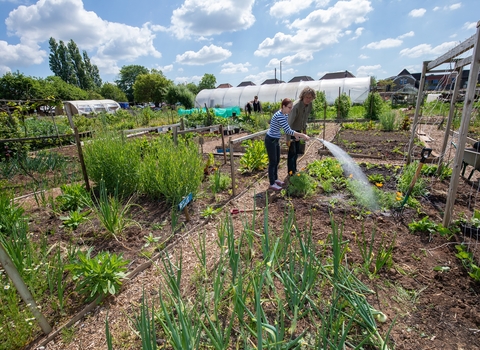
(351, 175)
(298, 174)
(398, 198)
(290, 172)
(379, 184)
(399, 194)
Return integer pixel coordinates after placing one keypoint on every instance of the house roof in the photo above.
(301, 78)
(272, 81)
(224, 86)
(338, 75)
(246, 83)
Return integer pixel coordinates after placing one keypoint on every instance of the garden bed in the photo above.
(431, 307)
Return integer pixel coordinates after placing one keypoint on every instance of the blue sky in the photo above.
(237, 40)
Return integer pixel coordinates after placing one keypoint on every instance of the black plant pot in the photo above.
(469, 230)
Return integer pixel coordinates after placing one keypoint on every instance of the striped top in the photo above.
(279, 121)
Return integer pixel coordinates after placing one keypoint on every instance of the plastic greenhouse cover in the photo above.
(356, 88)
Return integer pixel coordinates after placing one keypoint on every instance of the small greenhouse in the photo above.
(86, 107)
(356, 88)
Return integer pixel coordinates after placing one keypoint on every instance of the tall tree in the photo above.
(112, 91)
(151, 87)
(67, 63)
(127, 77)
(208, 81)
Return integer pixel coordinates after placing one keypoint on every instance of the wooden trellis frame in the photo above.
(428, 66)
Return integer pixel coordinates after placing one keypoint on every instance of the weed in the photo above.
(255, 157)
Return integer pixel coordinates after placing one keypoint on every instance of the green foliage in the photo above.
(325, 169)
(468, 261)
(113, 160)
(255, 157)
(127, 76)
(376, 178)
(374, 106)
(301, 185)
(180, 93)
(151, 87)
(219, 182)
(170, 171)
(113, 92)
(420, 187)
(100, 275)
(74, 219)
(74, 197)
(431, 170)
(208, 81)
(10, 213)
(319, 104)
(387, 120)
(342, 105)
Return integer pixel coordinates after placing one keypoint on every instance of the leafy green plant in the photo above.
(374, 106)
(325, 169)
(219, 182)
(405, 179)
(376, 178)
(255, 157)
(74, 197)
(342, 105)
(301, 185)
(468, 261)
(210, 212)
(387, 120)
(74, 219)
(100, 275)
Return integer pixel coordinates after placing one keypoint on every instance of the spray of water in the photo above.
(360, 186)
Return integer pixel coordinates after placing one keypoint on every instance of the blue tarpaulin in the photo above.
(219, 112)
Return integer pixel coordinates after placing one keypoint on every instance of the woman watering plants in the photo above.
(272, 142)
(297, 119)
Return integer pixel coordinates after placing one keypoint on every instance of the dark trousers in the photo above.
(293, 156)
(273, 151)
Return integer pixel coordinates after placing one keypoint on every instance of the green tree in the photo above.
(208, 81)
(342, 105)
(112, 92)
(373, 105)
(180, 93)
(151, 87)
(65, 91)
(16, 86)
(193, 88)
(127, 77)
(319, 104)
(72, 67)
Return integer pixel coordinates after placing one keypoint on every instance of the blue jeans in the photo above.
(273, 151)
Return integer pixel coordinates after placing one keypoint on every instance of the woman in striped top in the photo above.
(279, 121)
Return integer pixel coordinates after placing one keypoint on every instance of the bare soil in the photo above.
(431, 309)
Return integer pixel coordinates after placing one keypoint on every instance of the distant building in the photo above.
(301, 78)
(338, 75)
(272, 81)
(246, 83)
(224, 86)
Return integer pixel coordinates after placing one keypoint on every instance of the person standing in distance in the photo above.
(272, 142)
(257, 106)
(297, 120)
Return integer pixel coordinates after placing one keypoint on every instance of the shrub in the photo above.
(301, 185)
(374, 106)
(387, 120)
(255, 157)
(342, 105)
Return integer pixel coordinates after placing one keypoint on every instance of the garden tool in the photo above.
(236, 211)
(423, 156)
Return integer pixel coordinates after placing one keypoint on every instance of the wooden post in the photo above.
(223, 144)
(175, 135)
(456, 89)
(232, 164)
(22, 289)
(417, 111)
(82, 161)
(466, 114)
(324, 120)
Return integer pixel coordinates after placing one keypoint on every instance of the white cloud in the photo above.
(321, 27)
(207, 54)
(363, 57)
(470, 25)
(417, 12)
(211, 17)
(358, 33)
(285, 8)
(293, 60)
(232, 68)
(365, 71)
(427, 49)
(455, 6)
(406, 35)
(166, 69)
(19, 55)
(68, 20)
(384, 44)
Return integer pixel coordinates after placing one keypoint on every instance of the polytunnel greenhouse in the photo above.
(356, 88)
